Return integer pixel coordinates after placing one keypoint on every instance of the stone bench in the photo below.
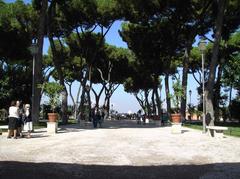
(3, 127)
(216, 131)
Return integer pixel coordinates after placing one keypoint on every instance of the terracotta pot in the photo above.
(52, 117)
(176, 118)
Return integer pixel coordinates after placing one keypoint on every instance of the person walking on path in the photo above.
(94, 118)
(27, 120)
(139, 117)
(13, 117)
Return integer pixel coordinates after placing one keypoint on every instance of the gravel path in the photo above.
(121, 149)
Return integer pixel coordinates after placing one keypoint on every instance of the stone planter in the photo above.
(176, 118)
(52, 117)
(176, 123)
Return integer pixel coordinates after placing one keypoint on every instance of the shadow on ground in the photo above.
(63, 170)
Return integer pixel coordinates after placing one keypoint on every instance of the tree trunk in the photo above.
(61, 79)
(70, 94)
(97, 96)
(64, 107)
(153, 103)
(209, 89)
(108, 105)
(141, 102)
(38, 77)
(89, 105)
(168, 100)
(230, 103)
(217, 93)
(77, 101)
(81, 106)
(74, 101)
(184, 84)
(158, 100)
(146, 93)
(106, 100)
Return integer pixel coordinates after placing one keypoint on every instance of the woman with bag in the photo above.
(12, 120)
(28, 126)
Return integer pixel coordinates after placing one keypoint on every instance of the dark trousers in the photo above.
(95, 122)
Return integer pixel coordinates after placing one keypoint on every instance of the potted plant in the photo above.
(52, 90)
(176, 98)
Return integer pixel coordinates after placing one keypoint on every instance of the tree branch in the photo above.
(108, 29)
(199, 82)
(70, 92)
(101, 74)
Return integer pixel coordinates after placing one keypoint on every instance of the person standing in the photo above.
(13, 116)
(139, 117)
(94, 117)
(20, 119)
(28, 126)
(105, 112)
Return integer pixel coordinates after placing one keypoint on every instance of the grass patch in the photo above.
(43, 124)
(233, 131)
(70, 121)
(2, 123)
(233, 128)
(194, 126)
(40, 125)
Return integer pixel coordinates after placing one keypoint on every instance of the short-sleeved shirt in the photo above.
(14, 112)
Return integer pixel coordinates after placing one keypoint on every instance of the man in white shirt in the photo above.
(13, 116)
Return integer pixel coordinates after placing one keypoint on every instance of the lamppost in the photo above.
(190, 95)
(202, 48)
(34, 50)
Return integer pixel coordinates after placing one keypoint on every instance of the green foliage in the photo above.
(231, 69)
(234, 109)
(15, 83)
(233, 129)
(231, 18)
(177, 93)
(87, 13)
(52, 90)
(17, 28)
(153, 45)
(85, 46)
(119, 60)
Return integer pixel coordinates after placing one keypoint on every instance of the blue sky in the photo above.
(122, 101)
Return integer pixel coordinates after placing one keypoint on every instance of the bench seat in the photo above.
(216, 131)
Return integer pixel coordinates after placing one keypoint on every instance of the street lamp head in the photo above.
(33, 49)
(190, 92)
(87, 87)
(202, 45)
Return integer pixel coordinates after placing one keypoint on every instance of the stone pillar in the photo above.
(52, 127)
(176, 128)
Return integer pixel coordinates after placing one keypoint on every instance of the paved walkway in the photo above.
(121, 149)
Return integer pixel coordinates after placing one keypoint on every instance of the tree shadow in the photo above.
(27, 170)
(184, 131)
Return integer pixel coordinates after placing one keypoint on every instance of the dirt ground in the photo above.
(121, 149)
